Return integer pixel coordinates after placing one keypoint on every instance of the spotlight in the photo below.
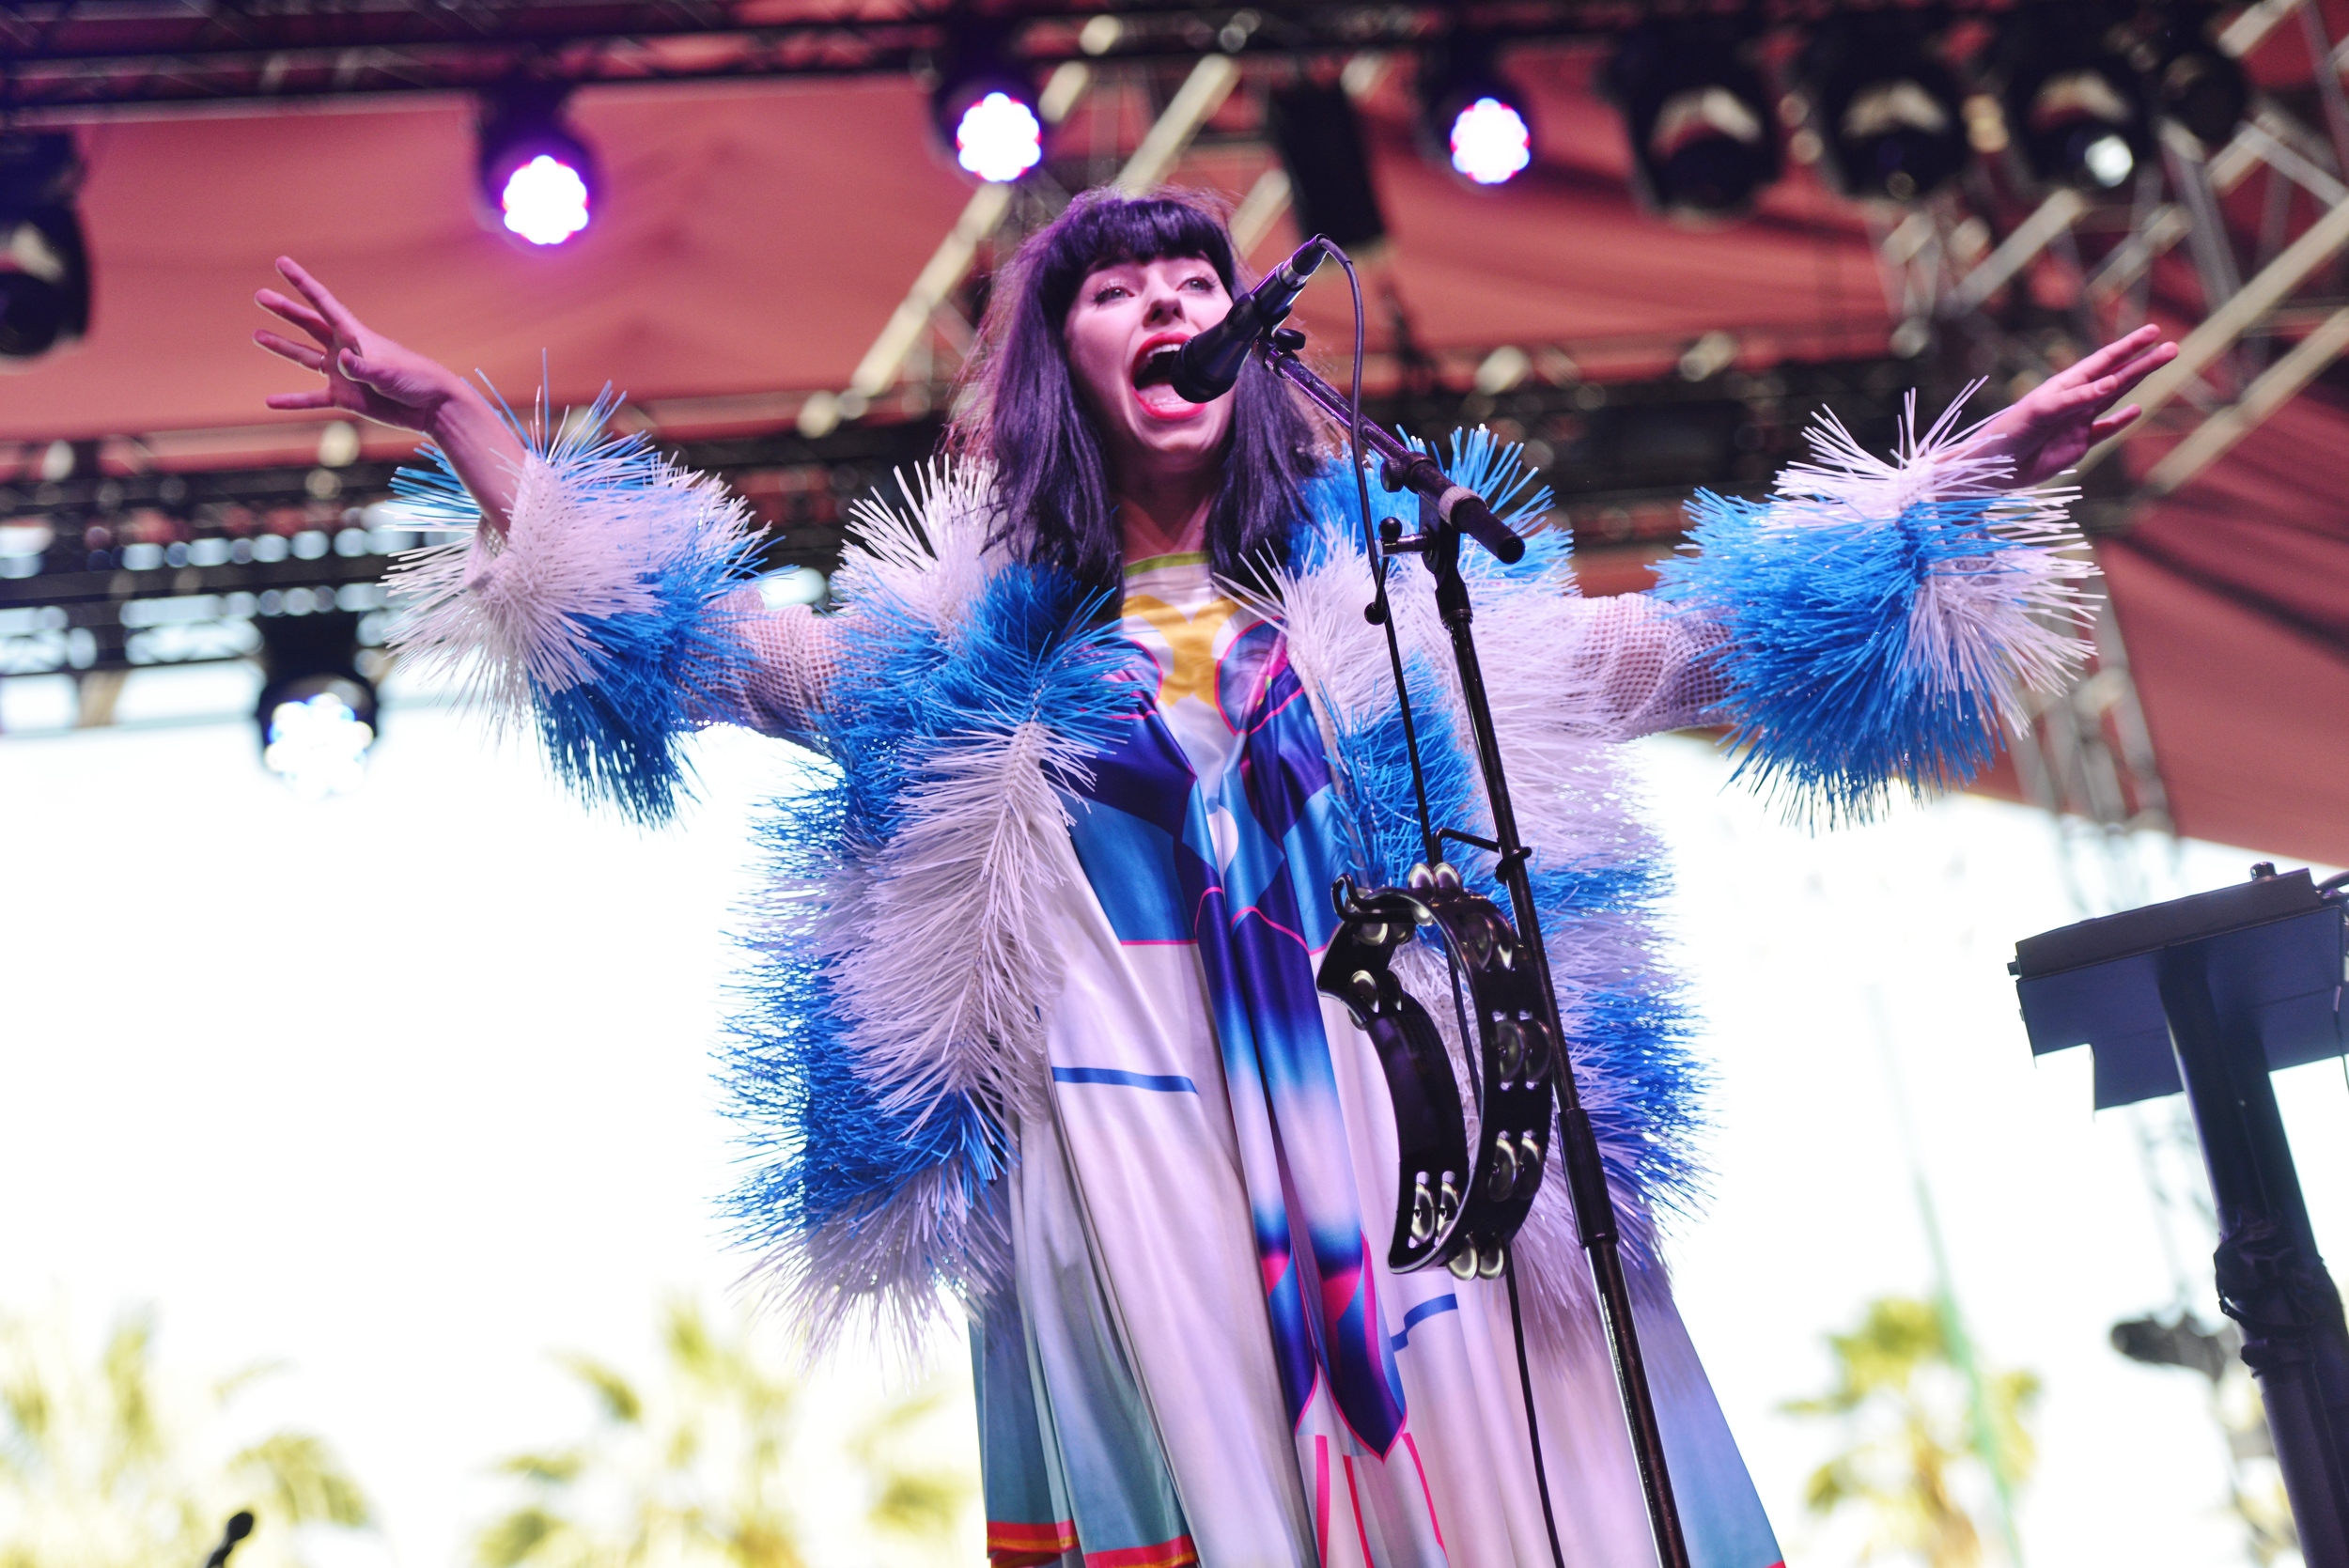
(999, 137)
(2203, 89)
(985, 108)
(1480, 122)
(44, 263)
(316, 737)
(1319, 139)
(1889, 118)
(317, 713)
(1701, 142)
(2073, 106)
(537, 177)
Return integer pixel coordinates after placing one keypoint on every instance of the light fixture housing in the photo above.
(317, 713)
(1319, 135)
(2197, 84)
(1703, 136)
(1890, 118)
(2076, 109)
(45, 258)
(539, 181)
(1476, 120)
(985, 107)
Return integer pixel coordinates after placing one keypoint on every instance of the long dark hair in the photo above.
(1029, 421)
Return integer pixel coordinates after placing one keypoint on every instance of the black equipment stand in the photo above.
(2210, 994)
(1446, 511)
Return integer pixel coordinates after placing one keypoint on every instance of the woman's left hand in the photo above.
(2064, 415)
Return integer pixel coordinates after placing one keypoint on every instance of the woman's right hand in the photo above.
(369, 375)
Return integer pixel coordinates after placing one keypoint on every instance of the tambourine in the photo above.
(1453, 1204)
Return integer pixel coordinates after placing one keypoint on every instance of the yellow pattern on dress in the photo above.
(1191, 641)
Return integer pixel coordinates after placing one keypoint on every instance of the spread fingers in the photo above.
(301, 354)
(295, 312)
(320, 297)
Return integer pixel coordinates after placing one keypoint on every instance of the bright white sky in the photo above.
(414, 1087)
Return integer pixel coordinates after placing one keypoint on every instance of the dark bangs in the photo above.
(1052, 482)
(1099, 230)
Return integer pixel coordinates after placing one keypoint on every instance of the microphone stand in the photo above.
(1447, 510)
(239, 1526)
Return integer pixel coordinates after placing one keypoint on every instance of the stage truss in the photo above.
(1986, 280)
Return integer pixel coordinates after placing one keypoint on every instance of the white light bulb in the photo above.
(1490, 143)
(545, 201)
(1000, 138)
(2109, 161)
(318, 746)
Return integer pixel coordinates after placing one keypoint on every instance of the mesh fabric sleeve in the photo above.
(793, 659)
(1644, 666)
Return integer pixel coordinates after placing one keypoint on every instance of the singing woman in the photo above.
(1096, 721)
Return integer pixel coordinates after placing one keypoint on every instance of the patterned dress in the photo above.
(1206, 1358)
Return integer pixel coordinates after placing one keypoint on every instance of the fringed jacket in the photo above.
(1862, 630)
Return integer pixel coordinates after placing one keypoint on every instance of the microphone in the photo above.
(239, 1526)
(1209, 363)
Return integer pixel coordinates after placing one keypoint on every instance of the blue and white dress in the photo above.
(1037, 1036)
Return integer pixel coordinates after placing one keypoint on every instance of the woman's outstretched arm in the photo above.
(1871, 623)
(369, 375)
(607, 600)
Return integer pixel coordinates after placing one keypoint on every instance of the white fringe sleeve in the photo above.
(610, 619)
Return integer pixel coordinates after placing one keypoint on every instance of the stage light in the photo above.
(999, 138)
(545, 201)
(1701, 126)
(1319, 139)
(2196, 86)
(985, 107)
(1889, 119)
(317, 740)
(1474, 117)
(2073, 106)
(536, 175)
(1491, 143)
(317, 713)
(44, 262)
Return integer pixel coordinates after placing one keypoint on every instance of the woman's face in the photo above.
(1123, 328)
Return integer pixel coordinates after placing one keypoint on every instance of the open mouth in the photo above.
(1155, 364)
(1154, 372)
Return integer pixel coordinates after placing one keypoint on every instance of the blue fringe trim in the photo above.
(1833, 703)
(826, 1146)
(619, 736)
(1032, 647)
(823, 1146)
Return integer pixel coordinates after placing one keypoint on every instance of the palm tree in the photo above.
(1916, 1434)
(119, 1465)
(699, 1474)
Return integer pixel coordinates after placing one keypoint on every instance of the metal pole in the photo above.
(2271, 1279)
(1438, 545)
(1586, 1174)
